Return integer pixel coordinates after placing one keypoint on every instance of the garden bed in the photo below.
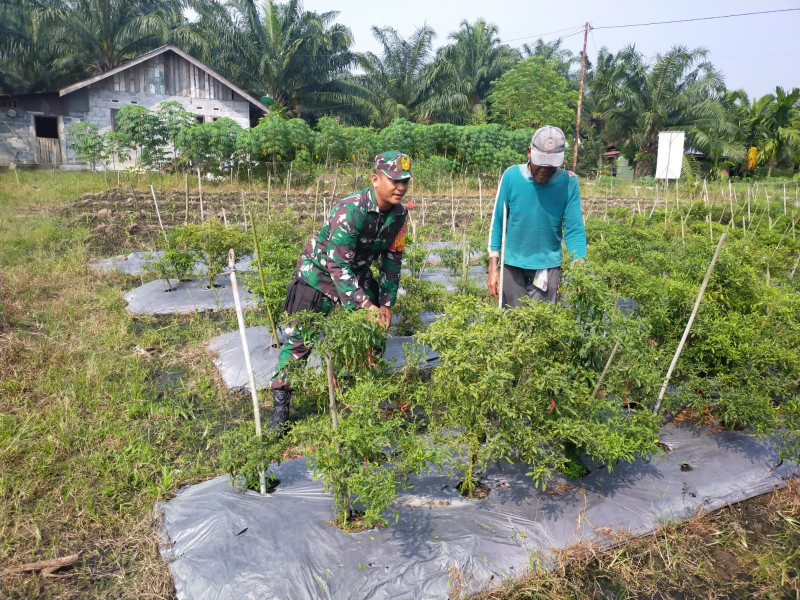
(282, 545)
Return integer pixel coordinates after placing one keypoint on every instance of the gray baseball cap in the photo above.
(547, 147)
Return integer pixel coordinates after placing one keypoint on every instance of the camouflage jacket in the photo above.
(337, 261)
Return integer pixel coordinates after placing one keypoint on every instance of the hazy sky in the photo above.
(756, 52)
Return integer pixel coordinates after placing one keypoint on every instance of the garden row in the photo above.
(526, 385)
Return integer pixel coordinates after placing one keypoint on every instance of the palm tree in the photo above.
(296, 57)
(94, 36)
(397, 83)
(463, 72)
(563, 58)
(682, 91)
(775, 128)
(26, 52)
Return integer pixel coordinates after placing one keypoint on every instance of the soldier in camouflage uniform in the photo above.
(334, 267)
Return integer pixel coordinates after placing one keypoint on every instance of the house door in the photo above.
(48, 146)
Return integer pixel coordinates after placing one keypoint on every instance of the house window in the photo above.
(200, 118)
(46, 127)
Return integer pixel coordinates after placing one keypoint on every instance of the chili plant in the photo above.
(374, 445)
(508, 388)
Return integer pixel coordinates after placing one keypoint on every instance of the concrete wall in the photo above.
(102, 102)
(17, 138)
(92, 104)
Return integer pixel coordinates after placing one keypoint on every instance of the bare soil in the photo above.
(125, 219)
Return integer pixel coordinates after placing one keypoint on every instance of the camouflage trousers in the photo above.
(301, 296)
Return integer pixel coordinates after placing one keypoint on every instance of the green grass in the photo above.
(103, 414)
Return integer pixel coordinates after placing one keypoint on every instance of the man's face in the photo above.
(540, 174)
(389, 192)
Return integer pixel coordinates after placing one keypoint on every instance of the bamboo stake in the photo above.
(269, 192)
(186, 194)
(794, 269)
(200, 188)
(263, 282)
(331, 391)
(480, 197)
(244, 210)
(691, 320)
(605, 370)
(316, 201)
(135, 197)
(16, 174)
(730, 197)
(289, 181)
(784, 198)
(158, 214)
(766, 319)
(251, 378)
(224, 218)
(464, 257)
(502, 257)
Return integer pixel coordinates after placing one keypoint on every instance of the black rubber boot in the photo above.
(280, 410)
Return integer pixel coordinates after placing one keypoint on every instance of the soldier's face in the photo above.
(389, 192)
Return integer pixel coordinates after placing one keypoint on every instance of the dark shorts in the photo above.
(301, 296)
(518, 283)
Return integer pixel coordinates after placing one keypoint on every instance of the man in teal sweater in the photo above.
(543, 206)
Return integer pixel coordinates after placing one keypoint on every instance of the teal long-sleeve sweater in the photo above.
(538, 213)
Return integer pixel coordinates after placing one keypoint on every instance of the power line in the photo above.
(747, 14)
(539, 35)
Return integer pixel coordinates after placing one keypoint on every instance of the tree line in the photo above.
(305, 62)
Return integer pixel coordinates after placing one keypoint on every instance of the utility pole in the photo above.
(580, 97)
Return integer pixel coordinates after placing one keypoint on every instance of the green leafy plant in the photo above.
(87, 143)
(509, 388)
(210, 242)
(374, 443)
(243, 456)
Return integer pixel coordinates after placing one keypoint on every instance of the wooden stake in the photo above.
(502, 257)
(316, 201)
(200, 189)
(289, 181)
(784, 198)
(480, 198)
(244, 210)
(158, 214)
(246, 351)
(331, 391)
(186, 194)
(605, 370)
(691, 320)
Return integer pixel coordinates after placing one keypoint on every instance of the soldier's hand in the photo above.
(385, 316)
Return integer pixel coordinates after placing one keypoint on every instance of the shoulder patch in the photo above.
(399, 243)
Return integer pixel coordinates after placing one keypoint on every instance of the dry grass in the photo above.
(747, 550)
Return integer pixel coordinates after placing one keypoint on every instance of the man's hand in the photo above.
(385, 316)
(382, 315)
(493, 282)
(579, 262)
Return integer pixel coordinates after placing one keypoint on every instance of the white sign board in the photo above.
(670, 154)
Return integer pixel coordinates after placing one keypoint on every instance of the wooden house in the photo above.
(34, 127)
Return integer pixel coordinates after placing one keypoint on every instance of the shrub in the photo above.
(211, 241)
